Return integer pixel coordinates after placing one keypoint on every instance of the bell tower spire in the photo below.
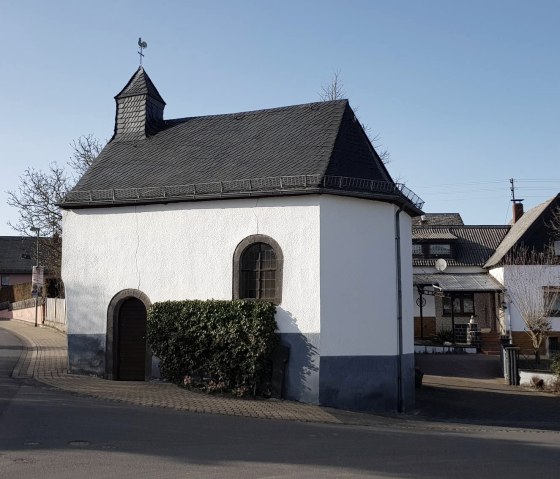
(139, 109)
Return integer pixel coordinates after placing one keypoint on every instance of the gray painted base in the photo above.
(86, 353)
(301, 381)
(365, 383)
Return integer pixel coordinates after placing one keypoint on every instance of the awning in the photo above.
(471, 282)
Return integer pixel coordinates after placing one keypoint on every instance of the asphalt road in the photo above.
(46, 433)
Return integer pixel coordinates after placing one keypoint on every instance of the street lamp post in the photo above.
(36, 230)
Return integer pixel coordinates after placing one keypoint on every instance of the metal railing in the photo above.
(254, 186)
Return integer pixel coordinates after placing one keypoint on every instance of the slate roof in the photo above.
(473, 246)
(140, 84)
(475, 282)
(11, 249)
(309, 148)
(438, 219)
(421, 234)
(520, 229)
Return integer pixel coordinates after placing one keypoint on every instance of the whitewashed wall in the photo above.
(185, 251)
(407, 281)
(358, 278)
(539, 278)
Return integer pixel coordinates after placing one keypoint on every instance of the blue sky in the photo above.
(464, 95)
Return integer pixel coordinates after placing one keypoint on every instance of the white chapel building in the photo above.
(291, 205)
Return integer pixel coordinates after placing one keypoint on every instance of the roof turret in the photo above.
(139, 109)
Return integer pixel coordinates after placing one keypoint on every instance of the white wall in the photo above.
(539, 277)
(358, 278)
(407, 280)
(185, 251)
(429, 309)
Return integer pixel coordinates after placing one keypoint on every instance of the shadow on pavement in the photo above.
(472, 366)
(469, 389)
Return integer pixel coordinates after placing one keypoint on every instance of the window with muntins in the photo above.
(258, 272)
(440, 250)
(258, 265)
(463, 304)
(552, 300)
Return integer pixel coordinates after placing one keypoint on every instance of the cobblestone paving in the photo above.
(45, 358)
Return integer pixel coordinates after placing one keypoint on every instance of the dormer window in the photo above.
(432, 250)
(440, 250)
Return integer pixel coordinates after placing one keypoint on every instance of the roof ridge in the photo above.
(518, 230)
(278, 109)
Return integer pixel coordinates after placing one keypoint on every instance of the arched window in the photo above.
(258, 264)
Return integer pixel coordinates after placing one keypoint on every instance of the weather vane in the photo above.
(142, 45)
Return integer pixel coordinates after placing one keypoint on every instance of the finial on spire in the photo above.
(142, 45)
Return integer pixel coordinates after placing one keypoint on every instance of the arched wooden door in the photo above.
(131, 338)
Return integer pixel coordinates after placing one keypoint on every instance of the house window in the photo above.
(258, 265)
(463, 304)
(557, 248)
(440, 250)
(258, 272)
(417, 250)
(552, 301)
(5, 280)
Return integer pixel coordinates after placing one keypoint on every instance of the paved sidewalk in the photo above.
(44, 352)
(445, 403)
(45, 358)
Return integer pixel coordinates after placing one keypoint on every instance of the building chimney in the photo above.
(517, 210)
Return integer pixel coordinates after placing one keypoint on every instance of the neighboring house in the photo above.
(450, 282)
(530, 230)
(17, 257)
(291, 205)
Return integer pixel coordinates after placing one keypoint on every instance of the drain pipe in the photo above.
(400, 401)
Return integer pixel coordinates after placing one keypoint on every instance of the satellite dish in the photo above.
(441, 264)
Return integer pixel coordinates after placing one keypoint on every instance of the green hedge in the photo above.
(216, 346)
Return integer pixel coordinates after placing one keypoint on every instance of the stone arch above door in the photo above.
(112, 329)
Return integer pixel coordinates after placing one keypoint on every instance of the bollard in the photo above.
(511, 365)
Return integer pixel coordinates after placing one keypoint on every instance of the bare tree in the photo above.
(335, 91)
(38, 193)
(525, 271)
(382, 152)
(554, 224)
(85, 150)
